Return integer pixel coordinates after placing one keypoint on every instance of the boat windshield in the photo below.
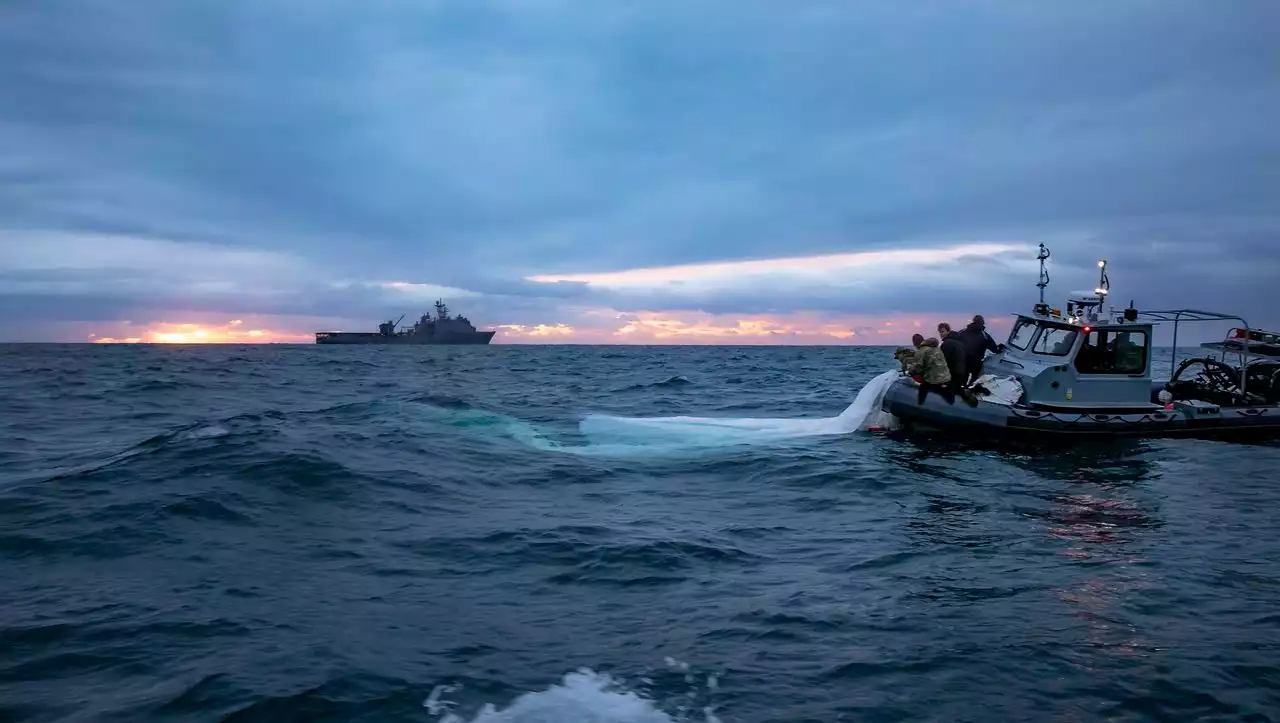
(1055, 341)
(1022, 333)
(1113, 351)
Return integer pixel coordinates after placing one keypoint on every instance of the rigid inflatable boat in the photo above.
(1088, 373)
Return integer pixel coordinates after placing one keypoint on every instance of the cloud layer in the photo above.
(596, 166)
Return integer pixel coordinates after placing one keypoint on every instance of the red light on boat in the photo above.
(1086, 330)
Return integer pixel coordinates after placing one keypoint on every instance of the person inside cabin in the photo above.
(1130, 356)
(1063, 345)
(977, 342)
(930, 369)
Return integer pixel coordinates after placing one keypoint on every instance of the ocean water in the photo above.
(300, 533)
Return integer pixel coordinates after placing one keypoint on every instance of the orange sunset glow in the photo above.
(590, 326)
(542, 331)
(601, 326)
(233, 332)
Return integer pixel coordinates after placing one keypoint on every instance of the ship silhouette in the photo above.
(443, 329)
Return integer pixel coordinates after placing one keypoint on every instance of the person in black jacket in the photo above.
(976, 341)
(954, 352)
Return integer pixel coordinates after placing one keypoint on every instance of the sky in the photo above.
(671, 171)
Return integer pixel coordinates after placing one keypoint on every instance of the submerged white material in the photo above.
(1005, 391)
(861, 415)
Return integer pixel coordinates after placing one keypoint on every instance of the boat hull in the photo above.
(989, 418)
(362, 338)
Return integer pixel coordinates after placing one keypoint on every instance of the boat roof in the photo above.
(1246, 341)
(1250, 351)
(1042, 313)
(1081, 323)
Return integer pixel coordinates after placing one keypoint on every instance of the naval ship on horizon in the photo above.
(443, 329)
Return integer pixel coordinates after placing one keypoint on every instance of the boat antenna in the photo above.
(1044, 273)
(1104, 284)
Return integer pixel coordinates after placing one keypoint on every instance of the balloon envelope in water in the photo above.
(863, 414)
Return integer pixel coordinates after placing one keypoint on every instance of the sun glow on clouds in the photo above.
(538, 331)
(867, 267)
(701, 328)
(606, 326)
(426, 291)
(232, 332)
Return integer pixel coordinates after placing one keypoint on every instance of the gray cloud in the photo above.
(473, 145)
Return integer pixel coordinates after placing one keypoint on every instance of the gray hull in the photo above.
(1001, 421)
(355, 337)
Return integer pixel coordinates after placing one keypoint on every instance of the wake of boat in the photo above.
(862, 415)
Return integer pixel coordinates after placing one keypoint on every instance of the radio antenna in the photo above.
(1044, 273)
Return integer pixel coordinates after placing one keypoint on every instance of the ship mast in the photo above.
(1042, 308)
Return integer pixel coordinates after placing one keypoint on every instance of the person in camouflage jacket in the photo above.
(929, 367)
(929, 363)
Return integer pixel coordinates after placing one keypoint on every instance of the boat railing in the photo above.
(1177, 316)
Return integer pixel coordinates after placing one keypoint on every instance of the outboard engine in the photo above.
(1219, 383)
(1262, 379)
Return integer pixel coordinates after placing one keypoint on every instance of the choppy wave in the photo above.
(675, 382)
(323, 533)
(587, 696)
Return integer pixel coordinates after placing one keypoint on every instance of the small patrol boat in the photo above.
(1088, 373)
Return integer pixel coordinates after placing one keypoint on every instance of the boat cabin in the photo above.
(1085, 359)
(1081, 360)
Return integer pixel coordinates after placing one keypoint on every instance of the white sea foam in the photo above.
(583, 696)
(209, 432)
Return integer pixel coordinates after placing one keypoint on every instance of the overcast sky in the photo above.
(728, 171)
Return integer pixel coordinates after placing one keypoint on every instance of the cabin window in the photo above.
(1055, 341)
(1113, 351)
(1022, 333)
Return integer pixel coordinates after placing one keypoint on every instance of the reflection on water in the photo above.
(1102, 462)
(1101, 522)
(1090, 505)
(1097, 526)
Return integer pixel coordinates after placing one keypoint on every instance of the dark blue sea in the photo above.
(434, 534)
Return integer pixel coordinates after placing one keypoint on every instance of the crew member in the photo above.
(953, 352)
(930, 369)
(976, 342)
(904, 356)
